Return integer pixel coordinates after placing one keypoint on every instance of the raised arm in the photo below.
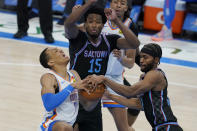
(70, 26)
(130, 41)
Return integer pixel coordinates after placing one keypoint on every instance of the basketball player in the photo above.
(59, 92)
(118, 59)
(89, 51)
(151, 89)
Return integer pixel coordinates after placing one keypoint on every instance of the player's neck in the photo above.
(93, 40)
(154, 68)
(61, 70)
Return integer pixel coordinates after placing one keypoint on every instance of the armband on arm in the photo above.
(51, 101)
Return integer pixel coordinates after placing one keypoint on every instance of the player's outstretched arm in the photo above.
(71, 29)
(151, 80)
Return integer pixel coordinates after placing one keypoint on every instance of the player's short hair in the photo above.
(44, 58)
(96, 10)
(152, 49)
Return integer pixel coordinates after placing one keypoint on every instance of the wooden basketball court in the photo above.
(21, 106)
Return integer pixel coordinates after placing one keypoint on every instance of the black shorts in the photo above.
(132, 112)
(90, 120)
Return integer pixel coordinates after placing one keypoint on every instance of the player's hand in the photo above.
(75, 7)
(89, 82)
(110, 14)
(117, 53)
(94, 80)
(81, 85)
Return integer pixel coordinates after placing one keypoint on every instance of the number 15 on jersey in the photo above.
(95, 66)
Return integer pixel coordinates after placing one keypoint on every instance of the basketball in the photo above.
(97, 94)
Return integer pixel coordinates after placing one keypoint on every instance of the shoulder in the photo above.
(154, 75)
(47, 77)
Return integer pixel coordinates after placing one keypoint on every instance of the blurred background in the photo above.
(148, 15)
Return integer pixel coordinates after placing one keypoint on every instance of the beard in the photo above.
(93, 36)
(148, 68)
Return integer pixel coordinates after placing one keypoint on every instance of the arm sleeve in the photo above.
(51, 101)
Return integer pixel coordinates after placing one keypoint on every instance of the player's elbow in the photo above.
(47, 108)
(136, 44)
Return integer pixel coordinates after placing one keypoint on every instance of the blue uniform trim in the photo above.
(162, 106)
(51, 125)
(150, 97)
(49, 117)
(168, 128)
(169, 123)
(113, 105)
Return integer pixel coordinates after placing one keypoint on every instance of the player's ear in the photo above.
(125, 9)
(51, 63)
(157, 60)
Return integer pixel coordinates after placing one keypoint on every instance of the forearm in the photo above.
(128, 34)
(127, 91)
(133, 103)
(118, 88)
(75, 15)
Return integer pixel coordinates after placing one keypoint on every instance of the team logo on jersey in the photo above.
(120, 32)
(95, 54)
(74, 96)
